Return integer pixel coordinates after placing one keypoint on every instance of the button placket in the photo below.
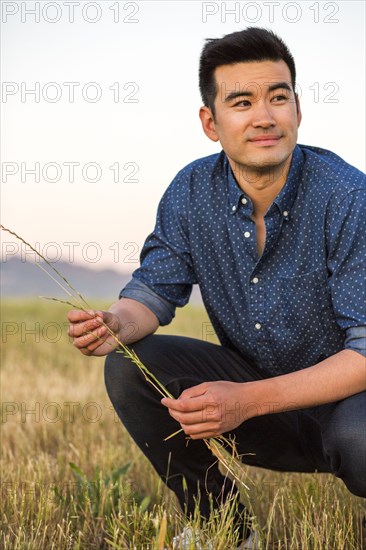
(247, 230)
(263, 338)
(256, 308)
(273, 226)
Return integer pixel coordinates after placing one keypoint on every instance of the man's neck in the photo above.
(262, 187)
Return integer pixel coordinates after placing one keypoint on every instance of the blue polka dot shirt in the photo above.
(303, 299)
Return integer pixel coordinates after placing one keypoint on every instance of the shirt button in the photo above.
(258, 326)
(247, 234)
(233, 208)
(255, 280)
(244, 200)
(285, 214)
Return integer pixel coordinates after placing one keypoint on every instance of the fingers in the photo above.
(81, 328)
(186, 405)
(187, 418)
(92, 331)
(198, 417)
(91, 340)
(202, 431)
(78, 315)
(194, 391)
(87, 330)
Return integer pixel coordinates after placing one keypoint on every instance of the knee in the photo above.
(348, 461)
(350, 445)
(127, 390)
(346, 431)
(121, 376)
(125, 383)
(122, 373)
(345, 447)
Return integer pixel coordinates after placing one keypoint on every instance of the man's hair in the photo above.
(251, 44)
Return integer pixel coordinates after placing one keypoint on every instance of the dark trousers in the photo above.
(329, 438)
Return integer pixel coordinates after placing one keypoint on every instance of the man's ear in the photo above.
(298, 109)
(208, 123)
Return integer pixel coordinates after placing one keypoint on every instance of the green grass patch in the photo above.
(72, 478)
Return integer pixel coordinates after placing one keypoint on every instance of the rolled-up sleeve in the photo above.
(347, 264)
(137, 290)
(165, 277)
(356, 340)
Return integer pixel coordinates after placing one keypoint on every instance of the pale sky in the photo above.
(145, 54)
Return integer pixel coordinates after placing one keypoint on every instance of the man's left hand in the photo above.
(210, 409)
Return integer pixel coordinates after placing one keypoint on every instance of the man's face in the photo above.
(256, 119)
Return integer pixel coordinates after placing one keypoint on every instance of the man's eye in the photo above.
(243, 103)
(277, 98)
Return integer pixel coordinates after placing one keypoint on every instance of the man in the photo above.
(273, 232)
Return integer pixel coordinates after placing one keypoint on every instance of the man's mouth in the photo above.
(266, 139)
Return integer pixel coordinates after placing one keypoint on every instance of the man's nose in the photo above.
(262, 115)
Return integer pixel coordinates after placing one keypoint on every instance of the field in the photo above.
(71, 478)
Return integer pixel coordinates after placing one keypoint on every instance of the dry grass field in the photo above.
(71, 478)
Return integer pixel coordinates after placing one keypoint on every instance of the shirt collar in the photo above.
(286, 197)
(235, 193)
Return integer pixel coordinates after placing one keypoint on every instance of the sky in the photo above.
(100, 101)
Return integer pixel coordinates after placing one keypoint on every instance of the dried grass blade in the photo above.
(48, 263)
(215, 445)
(58, 300)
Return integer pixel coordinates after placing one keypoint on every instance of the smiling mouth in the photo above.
(265, 140)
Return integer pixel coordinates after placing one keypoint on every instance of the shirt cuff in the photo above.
(356, 339)
(137, 290)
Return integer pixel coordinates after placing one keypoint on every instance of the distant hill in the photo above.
(25, 279)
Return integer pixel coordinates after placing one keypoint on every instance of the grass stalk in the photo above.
(52, 267)
(215, 444)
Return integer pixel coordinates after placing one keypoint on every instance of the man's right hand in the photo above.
(89, 331)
